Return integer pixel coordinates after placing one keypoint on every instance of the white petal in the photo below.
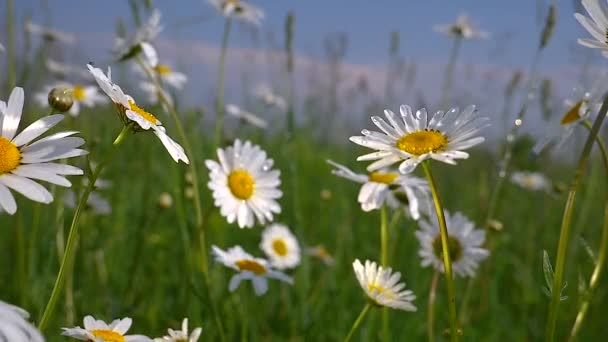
(12, 114)
(27, 188)
(36, 129)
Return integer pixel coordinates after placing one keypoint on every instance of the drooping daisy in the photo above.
(280, 246)
(414, 138)
(390, 188)
(382, 286)
(83, 95)
(248, 267)
(462, 28)
(464, 244)
(244, 185)
(14, 324)
(239, 10)
(597, 25)
(269, 98)
(141, 41)
(22, 159)
(165, 73)
(130, 113)
(535, 181)
(50, 34)
(100, 331)
(246, 116)
(181, 335)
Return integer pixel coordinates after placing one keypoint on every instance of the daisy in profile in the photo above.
(239, 10)
(249, 268)
(597, 25)
(248, 117)
(319, 251)
(280, 246)
(83, 95)
(414, 138)
(181, 335)
(135, 116)
(14, 324)
(464, 244)
(100, 331)
(141, 41)
(461, 29)
(269, 98)
(22, 159)
(535, 181)
(244, 185)
(390, 188)
(382, 286)
(165, 73)
(49, 34)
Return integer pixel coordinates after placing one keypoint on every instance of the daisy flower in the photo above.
(269, 98)
(244, 184)
(280, 246)
(390, 188)
(100, 331)
(462, 28)
(246, 116)
(248, 267)
(133, 115)
(464, 244)
(141, 41)
(62, 70)
(87, 96)
(49, 34)
(239, 10)
(382, 286)
(181, 335)
(535, 181)
(165, 73)
(597, 25)
(14, 325)
(319, 251)
(414, 138)
(22, 159)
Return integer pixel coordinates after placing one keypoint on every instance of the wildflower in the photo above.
(462, 28)
(248, 267)
(181, 335)
(141, 41)
(14, 325)
(165, 73)
(280, 246)
(100, 331)
(63, 70)
(239, 10)
(81, 95)
(269, 98)
(390, 188)
(535, 181)
(130, 113)
(382, 286)
(50, 34)
(464, 244)
(246, 116)
(22, 160)
(319, 251)
(597, 25)
(415, 138)
(244, 184)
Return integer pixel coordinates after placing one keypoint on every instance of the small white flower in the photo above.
(239, 10)
(246, 116)
(319, 251)
(165, 73)
(415, 138)
(382, 286)
(22, 160)
(100, 331)
(244, 185)
(130, 112)
(49, 33)
(181, 335)
(249, 268)
(390, 188)
(63, 70)
(269, 98)
(14, 325)
(597, 25)
(87, 96)
(280, 246)
(462, 28)
(535, 181)
(141, 41)
(464, 244)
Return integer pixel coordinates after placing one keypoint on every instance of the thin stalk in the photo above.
(219, 101)
(565, 227)
(447, 262)
(358, 322)
(10, 44)
(68, 255)
(384, 261)
(449, 73)
(430, 314)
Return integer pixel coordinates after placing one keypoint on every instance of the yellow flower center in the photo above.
(280, 247)
(79, 93)
(454, 247)
(573, 114)
(9, 156)
(251, 265)
(422, 142)
(384, 178)
(241, 184)
(373, 287)
(163, 69)
(108, 335)
(149, 117)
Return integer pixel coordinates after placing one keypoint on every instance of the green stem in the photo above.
(68, 255)
(10, 44)
(449, 73)
(565, 227)
(384, 262)
(430, 315)
(447, 262)
(357, 322)
(219, 101)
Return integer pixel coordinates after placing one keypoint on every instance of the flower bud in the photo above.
(61, 99)
(165, 201)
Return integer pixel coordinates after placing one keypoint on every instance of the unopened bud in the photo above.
(495, 225)
(165, 201)
(189, 177)
(61, 99)
(325, 194)
(189, 192)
